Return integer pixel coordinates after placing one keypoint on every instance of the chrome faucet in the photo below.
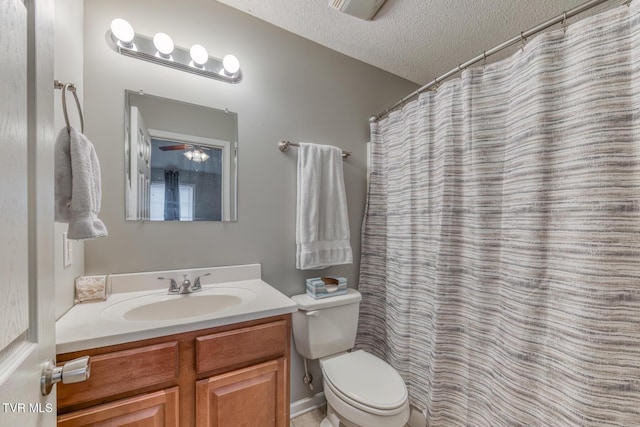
(173, 286)
(185, 286)
(196, 283)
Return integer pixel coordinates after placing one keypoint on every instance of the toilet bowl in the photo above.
(361, 389)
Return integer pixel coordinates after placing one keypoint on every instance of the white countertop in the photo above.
(85, 326)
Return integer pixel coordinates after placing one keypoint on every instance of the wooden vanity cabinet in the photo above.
(159, 409)
(235, 375)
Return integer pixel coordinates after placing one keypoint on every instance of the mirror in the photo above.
(181, 160)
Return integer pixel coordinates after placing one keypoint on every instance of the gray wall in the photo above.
(67, 68)
(292, 89)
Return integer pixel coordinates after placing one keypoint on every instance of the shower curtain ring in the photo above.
(437, 85)
(564, 22)
(484, 59)
(523, 39)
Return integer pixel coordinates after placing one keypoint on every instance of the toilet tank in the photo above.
(322, 327)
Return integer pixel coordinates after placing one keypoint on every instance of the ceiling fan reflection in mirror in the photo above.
(192, 152)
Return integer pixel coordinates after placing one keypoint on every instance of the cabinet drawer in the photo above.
(241, 346)
(153, 409)
(122, 372)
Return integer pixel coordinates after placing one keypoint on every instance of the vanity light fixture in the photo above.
(161, 50)
(231, 64)
(199, 55)
(163, 44)
(123, 32)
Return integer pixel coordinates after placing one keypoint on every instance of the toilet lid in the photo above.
(366, 379)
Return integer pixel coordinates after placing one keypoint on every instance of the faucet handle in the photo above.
(196, 283)
(173, 286)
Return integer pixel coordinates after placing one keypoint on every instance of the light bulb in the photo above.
(163, 43)
(123, 31)
(199, 54)
(188, 155)
(197, 156)
(231, 64)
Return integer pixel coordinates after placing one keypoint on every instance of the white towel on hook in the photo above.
(77, 185)
(322, 222)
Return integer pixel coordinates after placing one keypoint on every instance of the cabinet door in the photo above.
(159, 409)
(253, 396)
(117, 372)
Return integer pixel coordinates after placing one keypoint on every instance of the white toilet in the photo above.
(361, 389)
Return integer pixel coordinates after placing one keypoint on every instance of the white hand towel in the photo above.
(77, 185)
(322, 222)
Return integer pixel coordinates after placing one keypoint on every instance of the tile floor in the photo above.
(310, 419)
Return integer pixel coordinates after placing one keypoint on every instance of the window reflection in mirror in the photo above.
(181, 160)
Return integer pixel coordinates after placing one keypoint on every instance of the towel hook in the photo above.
(57, 84)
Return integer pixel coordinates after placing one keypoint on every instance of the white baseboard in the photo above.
(302, 406)
(307, 404)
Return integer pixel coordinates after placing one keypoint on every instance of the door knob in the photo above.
(73, 371)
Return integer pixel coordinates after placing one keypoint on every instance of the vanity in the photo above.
(154, 366)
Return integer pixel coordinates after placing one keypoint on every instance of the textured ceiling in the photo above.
(415, 39)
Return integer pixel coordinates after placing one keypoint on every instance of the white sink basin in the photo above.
(160, 306)
(139, 307)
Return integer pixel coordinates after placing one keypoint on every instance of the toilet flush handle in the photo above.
(313, 313)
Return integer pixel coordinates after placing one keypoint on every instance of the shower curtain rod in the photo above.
(522, 37)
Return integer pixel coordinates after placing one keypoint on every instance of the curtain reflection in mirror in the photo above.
(171, 195)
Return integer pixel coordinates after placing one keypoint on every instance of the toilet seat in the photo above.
(365, 382)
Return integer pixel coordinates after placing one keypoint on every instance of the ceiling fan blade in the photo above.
(175, 147)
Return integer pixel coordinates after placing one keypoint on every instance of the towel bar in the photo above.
(284, 146)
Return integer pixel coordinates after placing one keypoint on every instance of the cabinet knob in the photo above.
(73, 371)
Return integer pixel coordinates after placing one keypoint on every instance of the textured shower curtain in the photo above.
(501, 243)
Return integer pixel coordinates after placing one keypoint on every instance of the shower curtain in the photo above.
(500, 266)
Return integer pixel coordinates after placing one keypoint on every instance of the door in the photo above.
(26, 211)
(253, 396)
(140, 167)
